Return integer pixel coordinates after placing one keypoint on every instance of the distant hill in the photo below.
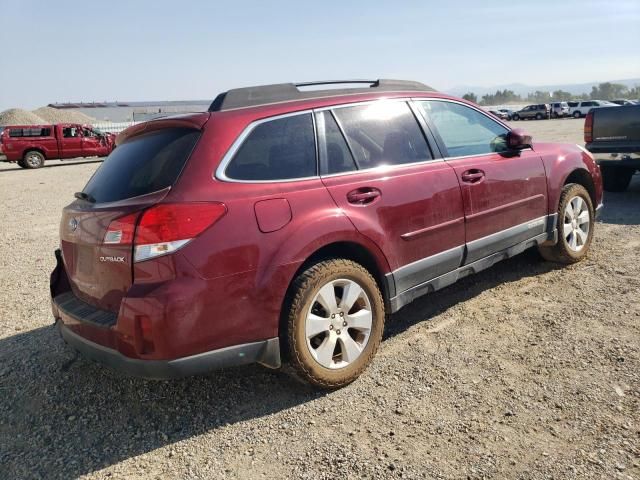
(523, 90)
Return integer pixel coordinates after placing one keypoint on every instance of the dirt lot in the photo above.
(525, 371)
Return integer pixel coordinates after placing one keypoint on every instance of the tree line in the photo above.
(604, 91)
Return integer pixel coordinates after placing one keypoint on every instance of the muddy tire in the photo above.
(616, 179)
(33, 159)
(575, 224)
(335, 319)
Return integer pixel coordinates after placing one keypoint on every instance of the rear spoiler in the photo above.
(194, 121)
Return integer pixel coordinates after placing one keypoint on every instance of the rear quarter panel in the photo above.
(259, 265)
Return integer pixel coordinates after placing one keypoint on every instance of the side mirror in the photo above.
(518, 139)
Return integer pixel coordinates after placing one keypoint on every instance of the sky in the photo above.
(58, 51)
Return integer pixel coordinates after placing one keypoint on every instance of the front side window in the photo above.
(383, 133)
(279, 149)
(463, 130)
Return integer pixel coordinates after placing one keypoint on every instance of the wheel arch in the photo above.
(349, 250)
(581, 176)
(33, 149)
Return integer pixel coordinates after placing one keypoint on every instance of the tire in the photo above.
(538, 116)
(33, 159)
(616, 179)
(515, 117)
(572, 246)
(577, 114)
(21, 163)
(312, 344)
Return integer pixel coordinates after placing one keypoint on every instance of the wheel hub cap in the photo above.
(338, 324)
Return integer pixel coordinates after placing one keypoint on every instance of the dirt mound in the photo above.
(18, 116)
(56, 115)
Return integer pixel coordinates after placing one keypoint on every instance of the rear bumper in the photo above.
(266, 352)
(112, 339)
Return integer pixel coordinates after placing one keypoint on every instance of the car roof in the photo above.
(292, 92)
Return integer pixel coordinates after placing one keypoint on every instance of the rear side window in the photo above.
(70, 132)
(465, 131)
(333, 147)
(279, 149)
(143, 165)
(383, 133)
(30, 132)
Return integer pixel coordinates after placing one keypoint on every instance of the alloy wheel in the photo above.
(33, 160)
(338, 324)
(576, 224)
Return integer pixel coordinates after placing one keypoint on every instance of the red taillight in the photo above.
(121, 230)
(588, 128)
(177, 221)
(163, 228)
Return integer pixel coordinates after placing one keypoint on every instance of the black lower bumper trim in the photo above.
(71, 305)
(266, 352)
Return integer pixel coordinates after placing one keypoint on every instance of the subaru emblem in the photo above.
(73, 224)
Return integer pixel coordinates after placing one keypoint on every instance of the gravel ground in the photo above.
(525, 371)
(42, 116)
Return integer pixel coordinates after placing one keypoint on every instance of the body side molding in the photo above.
(436, 275)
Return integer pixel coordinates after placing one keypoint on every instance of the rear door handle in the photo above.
(472, 176)
(363, 196)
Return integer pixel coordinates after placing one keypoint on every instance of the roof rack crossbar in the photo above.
(287, 92)
(336, 82)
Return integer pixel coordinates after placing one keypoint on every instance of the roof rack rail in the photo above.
(286, 92)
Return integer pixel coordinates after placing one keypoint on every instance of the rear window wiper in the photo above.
(84, 196)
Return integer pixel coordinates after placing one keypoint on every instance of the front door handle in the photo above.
(472, 176)
(363, 196)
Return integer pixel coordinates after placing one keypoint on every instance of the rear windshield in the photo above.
(143, 165)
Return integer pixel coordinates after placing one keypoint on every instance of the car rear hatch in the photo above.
(97, 230)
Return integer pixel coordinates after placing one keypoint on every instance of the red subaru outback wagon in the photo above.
(286, 222)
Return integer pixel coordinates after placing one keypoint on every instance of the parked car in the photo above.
(559, 109)
(499, 114)
(509, 113)
(30, 145)
(586, 106)
(615, 131)
(539, 112)
(284, 225)
(623, 101)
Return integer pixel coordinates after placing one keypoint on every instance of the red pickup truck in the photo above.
(30, 145)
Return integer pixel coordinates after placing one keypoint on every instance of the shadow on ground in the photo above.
(45, 389)
(623, 208)
(12, 167)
